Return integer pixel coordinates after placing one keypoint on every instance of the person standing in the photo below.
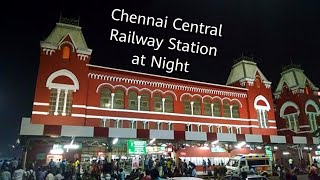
(5, 175)
(290, 162)
(19, 173)
(209, 162)
(204, 166)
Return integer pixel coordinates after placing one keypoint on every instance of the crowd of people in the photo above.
(291, 170)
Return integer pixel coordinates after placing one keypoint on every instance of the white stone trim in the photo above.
(63, 41)
(40, 104)
(305, 126)
(78, 115)
(170, 114)
(83, 57)
(40, 112)
(63, 72)
(165, 77)
(48, 51)
(152, 92)
(262, 98)
(79, 106)
(158, 84)
(288, 104)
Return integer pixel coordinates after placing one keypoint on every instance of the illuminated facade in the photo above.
(74, 98)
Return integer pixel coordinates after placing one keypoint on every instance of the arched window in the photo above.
(262, 107)
(133, 100)
(61, 94)
(145, 102)
(118, 102)
(311, 109)
(235, 111)
(217, 108)
(168, 104)
(66, 52)
(105, 98)
(157, 103)
(226, 108)
(207, 107)
(186, 105)
(290, 112)
(197, 107)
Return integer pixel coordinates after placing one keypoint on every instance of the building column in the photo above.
(294, 122)
(112, 99)
(264, 121)
(104, 122)
(260, 118)
(57, 102)
(139, 100)
(212, 110)
(231, 111)
(65, 102)
(191, 104)
(163, 105)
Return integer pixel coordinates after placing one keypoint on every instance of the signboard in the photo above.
(217, 149)
(137, 147)
(269, 153)
(317, 153)
(57, 147)
(41, 156)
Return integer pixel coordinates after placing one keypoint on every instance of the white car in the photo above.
(184, 178)
(250, 177)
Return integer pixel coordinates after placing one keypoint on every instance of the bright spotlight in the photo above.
(152, 141)
(239, 146)
(56, 151)
(71, 146)
(215, 142)
(115, 141)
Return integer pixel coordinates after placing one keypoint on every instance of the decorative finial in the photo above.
(64, 20)
(246, 58)
(291, 66)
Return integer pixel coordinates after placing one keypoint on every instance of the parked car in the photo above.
(250, 177)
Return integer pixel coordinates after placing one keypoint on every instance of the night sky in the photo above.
(273, 32)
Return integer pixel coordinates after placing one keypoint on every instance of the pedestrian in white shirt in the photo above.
(50, 176)
(19, 174)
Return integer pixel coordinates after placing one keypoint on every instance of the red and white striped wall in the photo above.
(29, 129)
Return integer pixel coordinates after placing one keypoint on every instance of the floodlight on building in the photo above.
(152, 141)
(204, 147)
(56, 151)
(71, 146)
(285, 153)
(115, 141)
(215, 142)
(240, 145)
